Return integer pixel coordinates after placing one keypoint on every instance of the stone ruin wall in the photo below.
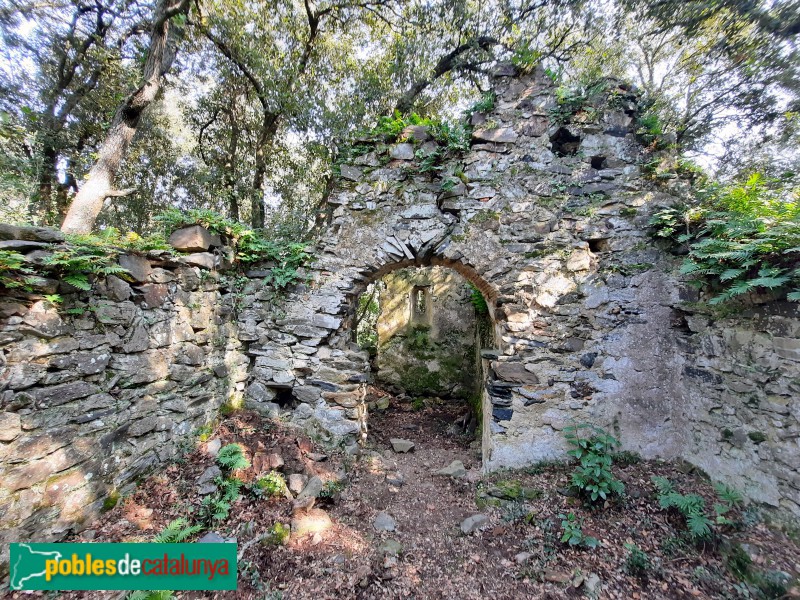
(549, 221)
(433, 352)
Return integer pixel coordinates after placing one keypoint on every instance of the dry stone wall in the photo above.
(98, 392)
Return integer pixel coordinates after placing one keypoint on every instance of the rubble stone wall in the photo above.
(97, 394)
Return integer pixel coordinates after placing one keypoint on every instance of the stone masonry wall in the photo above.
(431, 352)
(99, 391)
(741, 388)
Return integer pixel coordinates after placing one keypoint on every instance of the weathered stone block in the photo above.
(138, 267)
(500, 135)
(191, 239)
(61, 394)
(10, 426)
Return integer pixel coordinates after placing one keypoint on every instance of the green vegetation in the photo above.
(593, 448)
(177, 531)
(637, 562)
(740, 238)
(572, 532)
(249, 245)
(700, 526)
(332, 488)
(277, 535)
(231, 457)
(484, 105)
(270, 485)
(216, 507)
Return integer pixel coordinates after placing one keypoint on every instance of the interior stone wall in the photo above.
(433, 352)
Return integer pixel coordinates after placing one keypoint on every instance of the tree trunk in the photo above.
(99, 185)
(44, 196)
(269, 127)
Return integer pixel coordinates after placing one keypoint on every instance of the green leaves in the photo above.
(693, 507)
(592, 446)
(231, 457)
(740, 239)
(177, 531)
(572, 532)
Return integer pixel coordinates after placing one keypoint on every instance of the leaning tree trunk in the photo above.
(99, 185)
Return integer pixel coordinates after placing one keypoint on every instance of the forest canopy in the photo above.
(113, 111)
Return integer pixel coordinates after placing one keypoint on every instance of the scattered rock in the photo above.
(473, 523)
(313, 521)
(522, 557)
(317, 456)
(312, 489)
(205, 483)
(401, 446)
(454, 469)
(391, 547)
(592, 584)
(296, 483)
(554, 576)
(213, 446)
(395, 478)
(384, 522)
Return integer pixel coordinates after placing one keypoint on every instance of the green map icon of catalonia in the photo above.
(27, 565)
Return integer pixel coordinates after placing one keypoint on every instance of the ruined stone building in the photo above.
(587, 320)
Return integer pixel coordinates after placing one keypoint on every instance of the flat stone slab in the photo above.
(401, 446)
(454, 469)
(384, 522)
(474, 523)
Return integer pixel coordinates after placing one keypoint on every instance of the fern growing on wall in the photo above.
(739, 239)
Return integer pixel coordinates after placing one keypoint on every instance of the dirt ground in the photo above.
(516, 554)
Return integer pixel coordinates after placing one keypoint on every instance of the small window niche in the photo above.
(421, 304)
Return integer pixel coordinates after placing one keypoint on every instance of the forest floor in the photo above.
(516, 553)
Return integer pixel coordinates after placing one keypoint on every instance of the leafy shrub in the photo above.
(231, 457)
(572, 532)
(592, 446)
(740, 238)
(177, 531)
(637, 562)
